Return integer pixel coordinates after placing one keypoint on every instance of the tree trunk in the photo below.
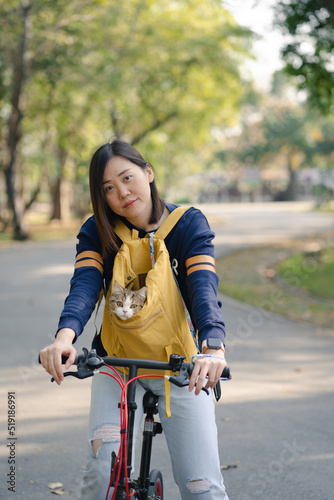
(56, 199)
(291, 190)
(14, 132)
(57, 188)
(19, 230)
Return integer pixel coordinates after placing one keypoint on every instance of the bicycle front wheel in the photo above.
(155, 490)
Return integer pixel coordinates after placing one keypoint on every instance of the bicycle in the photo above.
(149, 484)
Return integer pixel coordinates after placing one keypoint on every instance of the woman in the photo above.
(122, 187)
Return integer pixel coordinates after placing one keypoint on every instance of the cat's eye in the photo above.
(119, 303)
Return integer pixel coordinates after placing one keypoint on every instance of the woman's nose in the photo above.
(123, 192)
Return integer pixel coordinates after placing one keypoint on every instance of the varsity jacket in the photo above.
(192, 258)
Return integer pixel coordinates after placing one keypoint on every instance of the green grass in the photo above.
(314, 274)
(282, 280)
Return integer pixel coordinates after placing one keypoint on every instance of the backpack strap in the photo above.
(126, 235)
(170, 222)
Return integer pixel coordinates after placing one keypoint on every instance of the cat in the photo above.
(125, 303)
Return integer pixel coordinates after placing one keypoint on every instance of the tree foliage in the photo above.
(150, 71)
(276, 133)
(309, 55)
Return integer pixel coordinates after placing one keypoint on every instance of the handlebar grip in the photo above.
(225, 375)
(63, 359)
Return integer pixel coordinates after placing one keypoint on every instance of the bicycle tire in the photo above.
(155, 490)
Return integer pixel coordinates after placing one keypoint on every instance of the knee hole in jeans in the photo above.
(105, 433)
(198, 486)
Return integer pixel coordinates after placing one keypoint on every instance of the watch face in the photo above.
(214, 343)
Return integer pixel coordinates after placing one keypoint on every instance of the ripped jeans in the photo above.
(190, 432)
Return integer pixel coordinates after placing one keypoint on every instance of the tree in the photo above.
(18, 62)
(148, 71)
(278, 133)
(309, 55)
(165, 82)
(282, 143)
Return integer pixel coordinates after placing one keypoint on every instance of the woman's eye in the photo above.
(109, 188)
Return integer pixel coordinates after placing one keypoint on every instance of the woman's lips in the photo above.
(130, 204)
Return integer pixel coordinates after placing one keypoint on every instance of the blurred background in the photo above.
(231, 101)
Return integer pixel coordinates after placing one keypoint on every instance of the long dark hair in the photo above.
(104, 216)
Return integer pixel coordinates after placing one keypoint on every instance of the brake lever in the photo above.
(76, 375)
(81, 373)
(181, 380)
(87, 363)
(185, 384)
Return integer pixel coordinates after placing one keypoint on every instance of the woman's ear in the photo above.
(150, 172)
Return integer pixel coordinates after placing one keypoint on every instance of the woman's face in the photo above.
(127, 190)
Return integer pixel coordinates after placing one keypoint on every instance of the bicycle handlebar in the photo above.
(88, 362)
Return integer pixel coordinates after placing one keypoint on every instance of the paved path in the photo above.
(275, 418)
(251, 224)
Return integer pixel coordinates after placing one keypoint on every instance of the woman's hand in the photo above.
(211, 367)
(51, 355)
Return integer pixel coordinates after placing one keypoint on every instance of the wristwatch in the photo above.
(212, 343)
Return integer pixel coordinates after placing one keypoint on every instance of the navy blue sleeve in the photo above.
(197, 274)
(86, 282)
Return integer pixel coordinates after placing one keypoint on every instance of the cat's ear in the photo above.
(142, 292)
(117, 287)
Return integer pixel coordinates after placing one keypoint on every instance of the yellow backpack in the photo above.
(161, 327)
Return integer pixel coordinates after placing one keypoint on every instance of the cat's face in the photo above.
(125, 303)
